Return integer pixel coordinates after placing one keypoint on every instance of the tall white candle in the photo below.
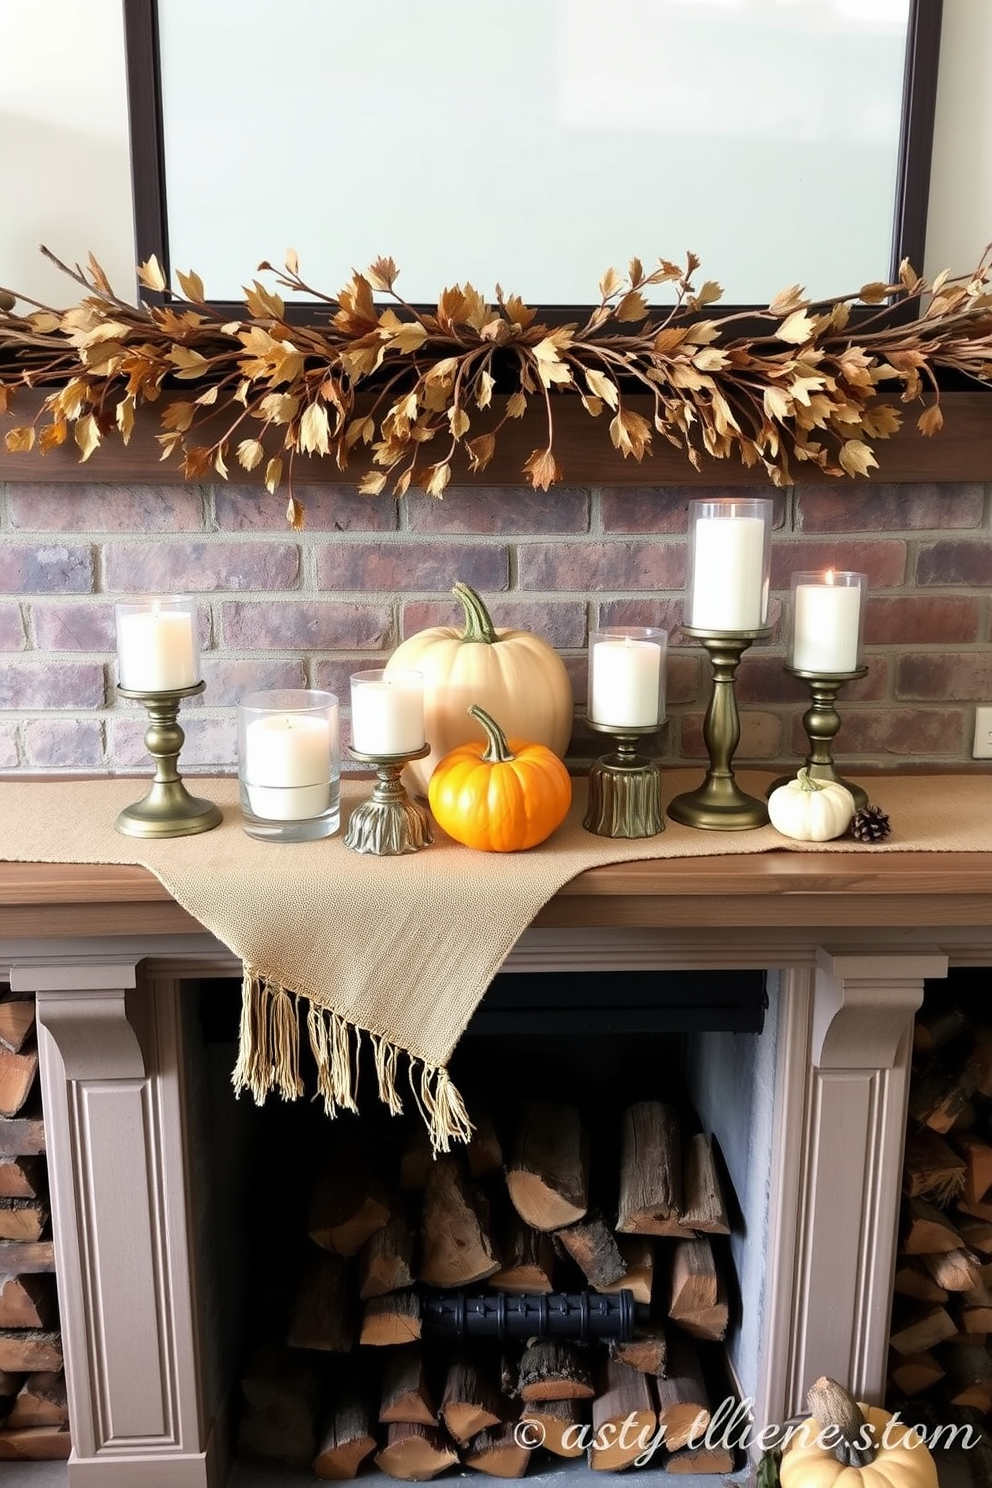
(287, 766)
(826, 627)
(728, 574)
(626, 678)
(156, 649)
(387, 713)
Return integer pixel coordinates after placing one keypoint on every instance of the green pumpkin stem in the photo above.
(478, 624)
(807, 782)
(833, 1407)
(498, 752)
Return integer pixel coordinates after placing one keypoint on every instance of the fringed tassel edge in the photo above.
(269, 1059)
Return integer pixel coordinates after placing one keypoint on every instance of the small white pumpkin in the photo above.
(811, 810)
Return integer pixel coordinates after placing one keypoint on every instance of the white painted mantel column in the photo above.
(836, 1190)
(112, 1087)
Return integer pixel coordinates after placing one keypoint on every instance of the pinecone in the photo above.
(870, 825)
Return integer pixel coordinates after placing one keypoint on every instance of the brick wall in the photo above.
(279, 608)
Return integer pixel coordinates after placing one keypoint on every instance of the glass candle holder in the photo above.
(157, 647)
(289, 765)
(729, 565)
(627, 677)
(387, 713)
(827, 622)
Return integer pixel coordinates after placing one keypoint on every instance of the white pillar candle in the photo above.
(728, 574)
(626, 680)
(156, 649)
(287, 766)
(387, 713)
(826, 627)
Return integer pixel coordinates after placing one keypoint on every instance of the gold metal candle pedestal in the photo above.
(168, 810)
(822, 724)
(624, 787)
(719, 804)
(389, 822)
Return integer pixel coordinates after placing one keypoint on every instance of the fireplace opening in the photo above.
(588, 1270)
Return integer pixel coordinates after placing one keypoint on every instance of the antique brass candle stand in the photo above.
(822, 724)
(389, 822)
(624, 787)
(168, 810)
(719, 804)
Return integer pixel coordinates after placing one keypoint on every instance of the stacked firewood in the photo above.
(942, 1313)
(385, 1239)
(33, 1412)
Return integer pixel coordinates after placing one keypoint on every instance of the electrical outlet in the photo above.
(982, 748)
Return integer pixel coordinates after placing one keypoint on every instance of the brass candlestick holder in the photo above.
(719, 804)
(389, 822)
(168, 810)
(822, 724)
(624, 787)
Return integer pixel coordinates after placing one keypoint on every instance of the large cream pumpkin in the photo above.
(512, 674)
(900, 1459)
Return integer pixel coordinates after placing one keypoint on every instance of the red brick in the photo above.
(299, 625)
(952, 562)
(865, 507)
(761, 737)
(105, 508)
(12, 637)
(665, 509)
(64, 743)
(500, 511)
(665, 614)
(883, 562)
(228, 680)
(201, 567)
(961, 676)
(411, 565)
(52, 569)
(561, 625)
(921, 618)
(52, 684)
(598, 566)
(211, 746)
(917, 733)
(74, 625)
(764, 679)
(326, 509)
(334, 673)
(9, 754)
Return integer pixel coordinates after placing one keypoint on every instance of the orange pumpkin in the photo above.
(499, 796)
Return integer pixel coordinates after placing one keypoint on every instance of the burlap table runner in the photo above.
(399, 949)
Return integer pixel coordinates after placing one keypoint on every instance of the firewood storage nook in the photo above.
(161, 1296)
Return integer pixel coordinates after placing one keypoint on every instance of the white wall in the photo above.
(64, 171)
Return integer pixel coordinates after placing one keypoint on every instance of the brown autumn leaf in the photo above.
(542, 469)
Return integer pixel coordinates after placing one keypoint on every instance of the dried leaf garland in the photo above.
(795, 383)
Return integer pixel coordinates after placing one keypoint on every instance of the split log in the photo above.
(9, 1386)
(683, 1401)
(927, 1230)
(485, 1151)
(931, 1168)
(30, 1350)
(416, 1160)
(716, 1460)
(22, 1178)
(322, 1312)
(954, 1270)
(704, 1207)
(348, 1205)
(637, 1252)
(651, 1198)
(558, 1426)
(26, 1301)
(646, 1351)
(391, 1319)
(346, 1438)
(550, 1370)
(976, 1234)
(624, 1419)
(981, 1210)
(386, 1258)
(915, 1373)
(937, 1099)
(969, 1376)
(22, 1219)
(594, 1249)
(977, 1157)
(281, 1390)
(405, 1394)
(41, 1401)
(35, 1444)
(20, 1256)
(22, 1136)
(548, 1176)
(415, 1453)
(912, 1279)
(498, 1452)
(17, 1016)
(17, 1076)
(456, 1246)
(923, 1332)
(694, 1280)
(974, 1311)
(980, 1063)
(528, 1259)
(934, 1028)
(470, 1402)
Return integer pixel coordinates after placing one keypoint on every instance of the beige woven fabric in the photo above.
(403, 948)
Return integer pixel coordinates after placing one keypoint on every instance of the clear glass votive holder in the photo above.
(289, 765)
(730, 544)
(157, 646)
(387, 713)
(627, 676)
(827, 622)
